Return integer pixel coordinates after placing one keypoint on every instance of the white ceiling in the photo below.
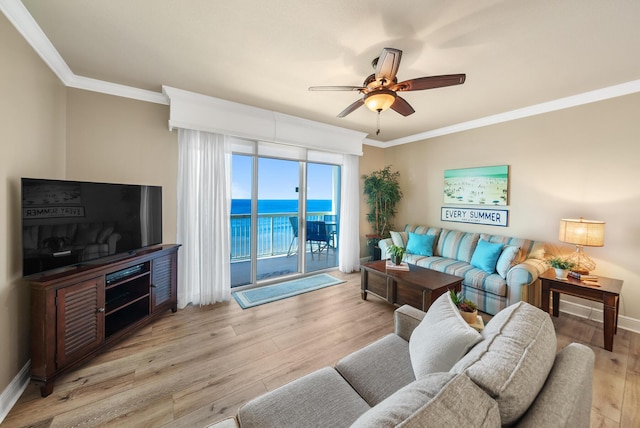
(266, 53)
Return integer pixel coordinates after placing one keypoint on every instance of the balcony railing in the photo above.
(274, 234)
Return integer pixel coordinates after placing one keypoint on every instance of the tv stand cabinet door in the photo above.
(80, 319)
(164, 277)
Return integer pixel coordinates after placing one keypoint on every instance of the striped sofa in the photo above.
(517, 270)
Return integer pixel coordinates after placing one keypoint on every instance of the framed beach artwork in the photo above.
(486, 185)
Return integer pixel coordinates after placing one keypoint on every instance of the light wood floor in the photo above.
(197, 366)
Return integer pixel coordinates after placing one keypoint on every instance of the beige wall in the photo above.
(371, 160)
(32, 115)
(583, 161)
(578, 162)
(119, 140)
(50, 131)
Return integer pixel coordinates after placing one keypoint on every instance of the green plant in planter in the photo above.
(558, 262)
(396, 253)
(464, 305)
(468, 309)
(383, 194)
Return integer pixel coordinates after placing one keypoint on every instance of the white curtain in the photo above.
(150, 216)
(204, 210)
(349, 239)
(145, 221)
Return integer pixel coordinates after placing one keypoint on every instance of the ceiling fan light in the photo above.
(379, 100)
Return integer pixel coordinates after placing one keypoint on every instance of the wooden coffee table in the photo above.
(417, 287)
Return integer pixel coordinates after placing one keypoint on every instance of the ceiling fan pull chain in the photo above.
(378, 132)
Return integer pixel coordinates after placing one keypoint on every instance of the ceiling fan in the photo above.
(380, 89)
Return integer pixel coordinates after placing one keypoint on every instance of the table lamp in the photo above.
(581, 233)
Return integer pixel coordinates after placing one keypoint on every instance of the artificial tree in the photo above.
(383, 194)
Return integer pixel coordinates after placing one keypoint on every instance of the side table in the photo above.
(606, 292)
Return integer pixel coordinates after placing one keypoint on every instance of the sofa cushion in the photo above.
(482, 280)
(473, 277)
(507, 259)
(457, 245)
(404, 402)
(440, 339)
(512, 362)
(379, 369)
(322, 398)
(399, 239)
(528, 248)
(486, 255)
(423, 230)
(225, 423)
(566, 398)
(437, 400)
(420, 244)
(441, 264)
(415, 259)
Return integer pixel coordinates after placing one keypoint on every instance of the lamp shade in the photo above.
(589, 233)
(380, 100)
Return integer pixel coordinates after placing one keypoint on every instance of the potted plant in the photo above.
(467, 308)
(372, 243)
(396, 253)
(561, 266)
(383, 194)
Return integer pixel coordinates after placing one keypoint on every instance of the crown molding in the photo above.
(95, 85)
(20, 17)
(374, 143)
(536, 109)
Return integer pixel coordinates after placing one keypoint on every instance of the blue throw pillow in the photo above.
(421, 245)
(486, 256)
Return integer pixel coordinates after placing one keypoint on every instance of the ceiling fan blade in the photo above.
(402, 106)
(430, 82)
(351, 108)
(388, 63)
(336, 88)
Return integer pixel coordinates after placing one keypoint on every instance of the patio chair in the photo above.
(317, 232)
(331, 221)
(294, 226)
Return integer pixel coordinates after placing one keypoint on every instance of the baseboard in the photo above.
(595, 314)
(14, 390)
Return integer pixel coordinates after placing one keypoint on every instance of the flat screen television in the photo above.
(71, 223)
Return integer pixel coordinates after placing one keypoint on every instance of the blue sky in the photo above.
(278, 179)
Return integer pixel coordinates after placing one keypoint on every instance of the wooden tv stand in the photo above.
(78, 313)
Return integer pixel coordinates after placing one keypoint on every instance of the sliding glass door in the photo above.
(284, 218)
(278, 213)
(323, 208)
(241, 219)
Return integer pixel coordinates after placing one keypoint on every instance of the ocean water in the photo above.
(275, 232)
(286, 206)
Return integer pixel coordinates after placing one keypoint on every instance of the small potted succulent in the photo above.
(396, 253)
(561, 266)
(467, 308)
